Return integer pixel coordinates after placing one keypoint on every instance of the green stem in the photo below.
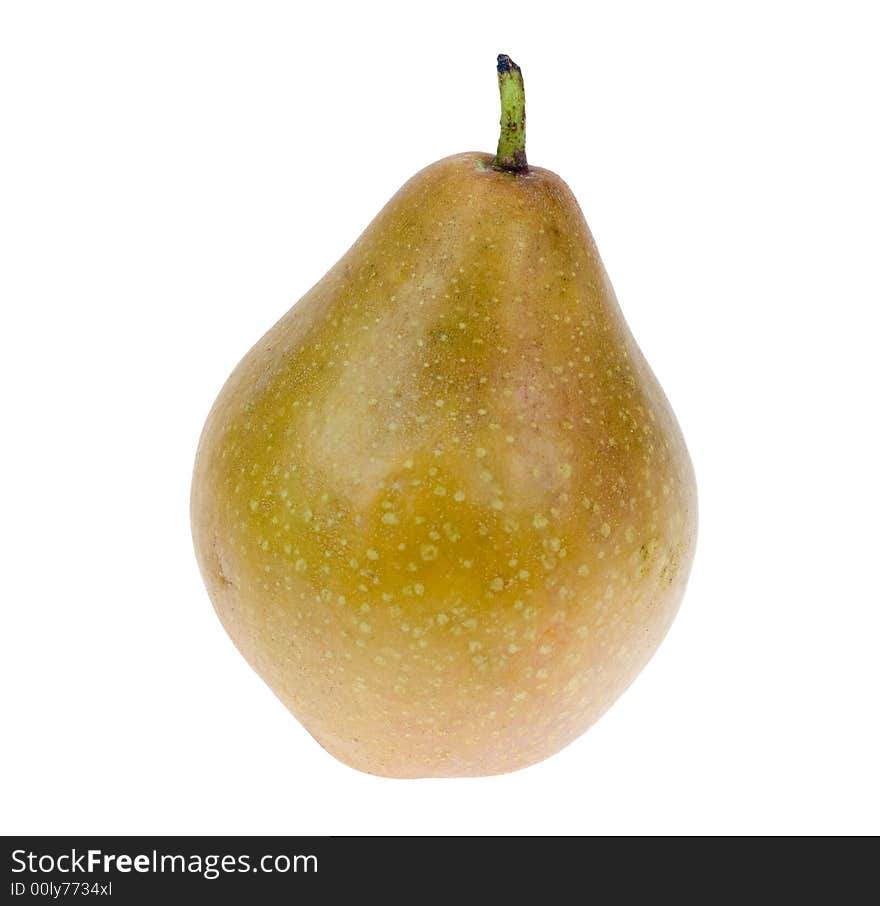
(512, 143)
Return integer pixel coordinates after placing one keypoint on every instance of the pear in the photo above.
(443, 506)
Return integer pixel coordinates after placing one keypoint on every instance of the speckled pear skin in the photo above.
(443, 507)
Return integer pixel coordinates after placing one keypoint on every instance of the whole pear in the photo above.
(443, 506)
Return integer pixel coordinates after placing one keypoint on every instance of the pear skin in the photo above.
(443, 507)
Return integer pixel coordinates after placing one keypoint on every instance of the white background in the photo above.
(174, 175)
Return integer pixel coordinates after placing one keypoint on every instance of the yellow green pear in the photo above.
(443, 506)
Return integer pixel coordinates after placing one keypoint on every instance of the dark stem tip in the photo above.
(505, 64)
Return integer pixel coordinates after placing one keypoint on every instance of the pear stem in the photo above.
(511, 155)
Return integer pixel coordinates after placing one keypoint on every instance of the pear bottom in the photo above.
(563, 672)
